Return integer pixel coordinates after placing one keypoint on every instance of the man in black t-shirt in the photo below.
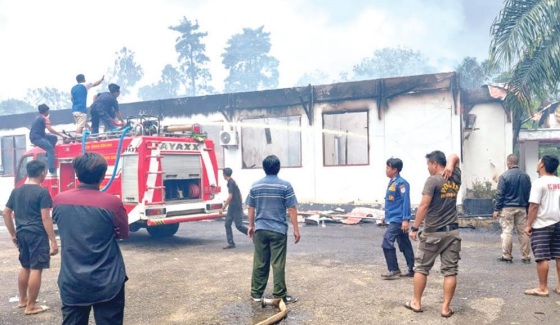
(34, 231)
(105, 108)
(235, 210)
(38, 136)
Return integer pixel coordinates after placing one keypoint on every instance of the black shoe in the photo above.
(289, 299)
(229, 246)
(506, 260)
(526, 260)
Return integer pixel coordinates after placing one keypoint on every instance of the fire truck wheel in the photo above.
(163, 230)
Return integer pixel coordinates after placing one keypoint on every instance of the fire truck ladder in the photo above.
(153, 145)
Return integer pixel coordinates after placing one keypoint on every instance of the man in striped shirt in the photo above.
(268, 200)
(543, 224)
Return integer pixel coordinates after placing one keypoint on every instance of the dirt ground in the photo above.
(334, 271)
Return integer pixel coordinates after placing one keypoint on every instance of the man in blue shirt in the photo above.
(268, 200)
(105, 108)
(397, 214)
(79, 101)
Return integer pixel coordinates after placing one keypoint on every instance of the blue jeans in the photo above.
(47, 143)
(394, 232)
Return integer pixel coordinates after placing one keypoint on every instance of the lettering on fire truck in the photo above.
(170, 146)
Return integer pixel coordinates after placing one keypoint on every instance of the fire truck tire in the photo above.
(163, 230)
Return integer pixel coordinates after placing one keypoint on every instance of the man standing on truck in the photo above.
(268, 200)
(235, 210)
(106, 107)
(79, 101)
(32, 235)
(92, 271)
(47, 142)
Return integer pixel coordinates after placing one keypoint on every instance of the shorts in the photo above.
(545, 243)
(446, 244)
(80, 119)
(34, 250)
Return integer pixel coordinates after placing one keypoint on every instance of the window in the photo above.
(12, 148)
(345, 138)
(213, 133)
(280, 136)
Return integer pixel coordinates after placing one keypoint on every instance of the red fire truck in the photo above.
(163, 175)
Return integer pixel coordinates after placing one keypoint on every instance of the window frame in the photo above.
(367, 127)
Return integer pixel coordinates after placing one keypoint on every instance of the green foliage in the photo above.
(125, 72)
(473, 75)
(481, 190)
(250, 66)
(525, 37)
(53, 97)
(392, 62)
(15, 106)
(192, 58)
(166, 87)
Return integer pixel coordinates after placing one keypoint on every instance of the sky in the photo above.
(47, 43)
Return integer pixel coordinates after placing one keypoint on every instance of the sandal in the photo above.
(408, 305)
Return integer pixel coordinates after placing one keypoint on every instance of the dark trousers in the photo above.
(47, 143)
(394, 232)
(100, 114)
(234, 216)
(270, 250)
(105, 313)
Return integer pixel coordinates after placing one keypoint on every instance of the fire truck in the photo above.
(164, 175)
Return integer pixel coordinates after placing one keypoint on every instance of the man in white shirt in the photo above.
(543, 224)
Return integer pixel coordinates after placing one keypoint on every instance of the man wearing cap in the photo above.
(104, 108)
(79, 100)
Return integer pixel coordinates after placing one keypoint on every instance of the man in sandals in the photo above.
(543, 224)
(33, 235)
(440, 236)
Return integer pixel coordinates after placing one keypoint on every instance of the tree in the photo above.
(525, 38)
(15, 106)
(317, 77)
(473, 74)
(250, 66)
(192, 58)
(167, 86)
(53, 97)
(125, 72)
(392, 62)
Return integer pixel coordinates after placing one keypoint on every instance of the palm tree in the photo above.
(526, 38)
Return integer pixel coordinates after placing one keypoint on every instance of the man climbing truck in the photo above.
(163, 175)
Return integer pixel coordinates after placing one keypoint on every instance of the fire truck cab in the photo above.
(163, 175)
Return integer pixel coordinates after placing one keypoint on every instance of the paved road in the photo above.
(189, 279)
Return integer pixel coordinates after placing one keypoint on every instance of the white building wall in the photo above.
(488, 145)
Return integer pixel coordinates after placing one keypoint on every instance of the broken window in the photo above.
(280, 136)
(213, 133)
(345, 138)
(13, 147)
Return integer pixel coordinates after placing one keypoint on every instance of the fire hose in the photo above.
(282, 313)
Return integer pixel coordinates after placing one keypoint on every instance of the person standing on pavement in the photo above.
(543, 223)
(47, 142)
(440, 236)
(32, 235)
(92, 270)
(397, 214)
(235, 210)
(79, 101)
(268, 200)
(511, 204)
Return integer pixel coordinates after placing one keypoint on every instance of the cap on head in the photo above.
(113, 88)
